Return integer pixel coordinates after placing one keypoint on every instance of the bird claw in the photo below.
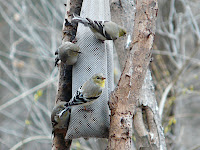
(87, 109)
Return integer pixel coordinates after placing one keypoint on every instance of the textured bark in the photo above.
(125, 100)
(122, 12)
(65, 73)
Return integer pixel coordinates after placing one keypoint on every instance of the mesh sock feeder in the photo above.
(95, 57)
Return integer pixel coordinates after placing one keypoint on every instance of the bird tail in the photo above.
(76, 100)
(64, 110)
(77, 18)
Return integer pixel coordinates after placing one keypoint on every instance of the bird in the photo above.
(103, 30)
(67, 53)
(90, 91)
(60, 116)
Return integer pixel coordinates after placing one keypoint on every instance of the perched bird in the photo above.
(103, 30)
(67, 53)
(60, 116)
(89, 91)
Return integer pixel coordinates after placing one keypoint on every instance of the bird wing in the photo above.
(98, 26)
(79, 98)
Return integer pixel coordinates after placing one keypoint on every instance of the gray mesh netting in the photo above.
(96, 57)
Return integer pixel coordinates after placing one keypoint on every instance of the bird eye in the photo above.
(98, 78)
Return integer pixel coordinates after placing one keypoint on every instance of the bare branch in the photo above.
(30, 139)
(26, 93)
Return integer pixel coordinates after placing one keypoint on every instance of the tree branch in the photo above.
(125, 99)
(65, 74)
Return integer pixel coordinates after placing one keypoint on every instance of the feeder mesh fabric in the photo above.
(95, 57)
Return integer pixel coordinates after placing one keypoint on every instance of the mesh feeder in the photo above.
(95, 57)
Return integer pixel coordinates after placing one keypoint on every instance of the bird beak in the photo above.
(77, 52)
(103, 78)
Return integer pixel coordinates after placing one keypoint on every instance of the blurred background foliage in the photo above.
(30, 34)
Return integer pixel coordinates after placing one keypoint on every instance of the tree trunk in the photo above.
(126, 103)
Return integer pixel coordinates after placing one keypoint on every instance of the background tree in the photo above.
(30, 34)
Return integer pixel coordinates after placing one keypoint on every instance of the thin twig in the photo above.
(168, 89)
(26, 93)
(30, 139)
